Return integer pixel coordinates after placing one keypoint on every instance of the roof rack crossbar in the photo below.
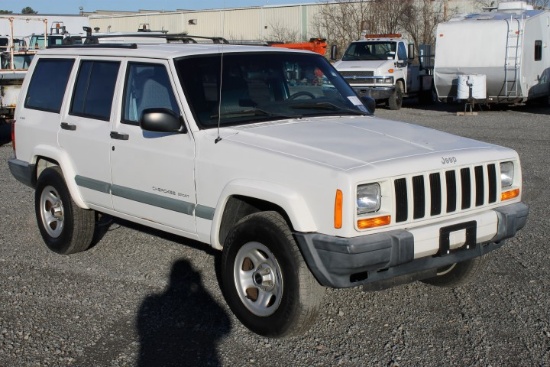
(97, 45)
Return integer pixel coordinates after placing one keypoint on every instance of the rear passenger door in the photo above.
(86, 125)
(152, 173)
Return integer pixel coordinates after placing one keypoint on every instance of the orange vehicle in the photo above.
(318, 45)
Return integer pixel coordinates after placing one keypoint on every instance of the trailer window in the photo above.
(538, 50)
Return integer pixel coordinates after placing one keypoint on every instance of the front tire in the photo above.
(265, 279)
(457, 274)
(396, 99)
(65, 227)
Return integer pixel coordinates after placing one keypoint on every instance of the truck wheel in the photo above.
(265, 279)
(457, 274)
(396, 99)
(64, 226)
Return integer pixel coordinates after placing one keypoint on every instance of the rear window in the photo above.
(48, 84)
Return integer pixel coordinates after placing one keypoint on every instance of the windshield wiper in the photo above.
(251, 112)
(327, 106)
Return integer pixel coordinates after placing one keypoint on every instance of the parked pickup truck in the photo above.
(265, 154)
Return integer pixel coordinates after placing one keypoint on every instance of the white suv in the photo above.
(265, 154)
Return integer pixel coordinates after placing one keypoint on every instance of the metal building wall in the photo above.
(254, 23)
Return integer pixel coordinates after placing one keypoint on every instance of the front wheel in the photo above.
(65, 228)
(396, 99)
(457, 274)
(265, 280)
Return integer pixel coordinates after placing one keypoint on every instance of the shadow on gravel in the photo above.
(181, 327)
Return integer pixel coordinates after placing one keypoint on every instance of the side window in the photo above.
(48, 84)
(538, 50)
(94, 89)
(147, 86)
(402, 52)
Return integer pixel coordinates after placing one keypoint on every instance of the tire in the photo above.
(265, 279)
(396, 100)
(457, 274)
(65, 227)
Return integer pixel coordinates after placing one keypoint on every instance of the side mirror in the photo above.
(412, 54)
(161, 120)
(369, 103)
(334, 52)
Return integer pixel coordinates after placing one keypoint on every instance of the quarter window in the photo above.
(94, 89)
(48, 84)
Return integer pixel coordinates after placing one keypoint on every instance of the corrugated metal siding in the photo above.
(255, 23)
(260, 23)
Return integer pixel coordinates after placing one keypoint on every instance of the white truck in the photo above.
(265, 154)
(380, 66)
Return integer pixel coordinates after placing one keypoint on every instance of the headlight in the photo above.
(506, 174)
(384, 80)
(368, 198)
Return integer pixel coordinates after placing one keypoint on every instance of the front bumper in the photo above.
(378, 93)
(379, 258)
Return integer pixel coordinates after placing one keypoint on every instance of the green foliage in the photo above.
(28, 10)
(6, 12)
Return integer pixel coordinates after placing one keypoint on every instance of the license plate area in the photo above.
(469, 230)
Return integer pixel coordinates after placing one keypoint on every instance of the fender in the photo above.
(61, 157)
(288, 199)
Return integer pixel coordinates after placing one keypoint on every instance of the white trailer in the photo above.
(507, 47)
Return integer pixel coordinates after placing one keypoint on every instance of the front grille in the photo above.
(448, 191)
(358, 76)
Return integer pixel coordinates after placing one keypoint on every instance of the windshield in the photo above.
(370, 51)
(264, 86)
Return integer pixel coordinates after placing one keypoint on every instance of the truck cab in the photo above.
(380, 66)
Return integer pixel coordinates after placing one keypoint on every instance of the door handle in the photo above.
(119, 136)
(67, 126)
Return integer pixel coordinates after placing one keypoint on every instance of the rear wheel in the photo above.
(457, 274)
(65, 227)
(265, 280)
(396, 99)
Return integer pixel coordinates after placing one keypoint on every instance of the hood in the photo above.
(352, 142)
(362, 64)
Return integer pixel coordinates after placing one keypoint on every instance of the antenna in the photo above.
(219, 138)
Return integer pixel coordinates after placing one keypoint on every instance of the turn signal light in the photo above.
(338, 206)
(507, 195)
(374, 222)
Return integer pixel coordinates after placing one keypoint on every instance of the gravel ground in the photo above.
(144, 298)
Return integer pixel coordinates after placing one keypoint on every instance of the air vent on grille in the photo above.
(448, 191)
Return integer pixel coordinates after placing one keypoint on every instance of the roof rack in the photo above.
(97, 45)
(93, 38)
(187, 38)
